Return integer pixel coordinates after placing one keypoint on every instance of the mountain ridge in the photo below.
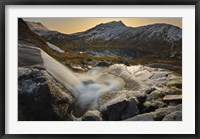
(118, 32)
(160, 38)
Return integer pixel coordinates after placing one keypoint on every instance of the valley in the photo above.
(110, 72)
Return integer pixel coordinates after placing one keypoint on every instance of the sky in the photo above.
(78, 24)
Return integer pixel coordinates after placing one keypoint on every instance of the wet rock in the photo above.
(141, 97)
(155, 95)
(92, 115)
(131, 109)
(119, 108)
(175, 116)
(41, 98)
(173, 99)
(177, 84)
(131, 83)
(149, 90)
(89, 67)
(113, 110)
(148, 107)
(159, 103)
(165, 66)
(109, 96)
(170, 91)
(159, 114)
(151, 106)
(149, 85)
(76, 67)
(159, 75)
(141, 117)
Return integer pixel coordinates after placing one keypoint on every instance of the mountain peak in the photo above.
(116, 23)
(112, 24)
(36, 26)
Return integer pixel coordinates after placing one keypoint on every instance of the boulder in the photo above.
(92, 115)
(170, 91)
(173, 98)
(131, 109)
(141, 97)
(147, 107)
(165, 66)
(149, 90)
(155, 95)
(105, 98)
(119, 107)
(112, 110)
(131, 83)
(41, 98)
(159, 114)
(151, 106)
(175, 116)
(141, 117)
(175, 83)
(157, 75)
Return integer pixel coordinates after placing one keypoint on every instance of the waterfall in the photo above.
(86, 87)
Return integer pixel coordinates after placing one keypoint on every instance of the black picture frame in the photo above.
(99, 2)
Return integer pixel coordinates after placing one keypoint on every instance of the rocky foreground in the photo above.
(149, 94)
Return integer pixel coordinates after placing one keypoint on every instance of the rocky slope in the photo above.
(149, 94)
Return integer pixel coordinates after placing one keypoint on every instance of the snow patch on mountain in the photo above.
(55, 47)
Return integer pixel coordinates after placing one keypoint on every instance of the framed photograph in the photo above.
(103, 69)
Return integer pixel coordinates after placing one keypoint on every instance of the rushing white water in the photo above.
(86, 87)
(61, 73)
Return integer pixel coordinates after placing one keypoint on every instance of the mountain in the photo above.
(117, 31)
(25, 35)
(154, 37)
(36, 25)
(118, 34)
(49, 35)
(160, 39)
(39, 28)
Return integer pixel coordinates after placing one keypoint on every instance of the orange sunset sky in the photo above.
(73, 25)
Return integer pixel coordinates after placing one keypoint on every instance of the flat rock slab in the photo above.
(172, 98)
(175, 116)
(159, 114)
(142, 117)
